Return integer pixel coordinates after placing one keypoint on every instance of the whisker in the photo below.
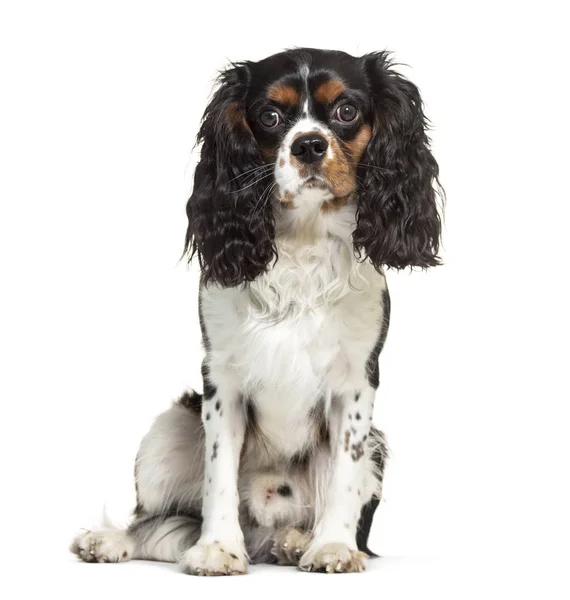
(254, 170)
(253, 183)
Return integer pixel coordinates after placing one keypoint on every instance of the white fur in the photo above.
(297, 338)
(299, 334)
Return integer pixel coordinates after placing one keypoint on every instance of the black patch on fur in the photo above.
(364, 525)
(285, 490)
(252, 422)
(192, 401)
(372, 367)
(301, 460)
(210, 389)
(218, 404)
(207, 416)
(379, 456)
(357, 416)
(205, 338)
(215, 450)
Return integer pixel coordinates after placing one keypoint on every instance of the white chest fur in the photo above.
(302, 331)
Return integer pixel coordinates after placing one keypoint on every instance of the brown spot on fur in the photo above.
(357, 451)
(346, 440)
(357, 146)
(282, 163)
(125, 554)
(284, 94)
(236, 117)
(329, 91)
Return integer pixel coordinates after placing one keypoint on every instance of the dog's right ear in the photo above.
(229, 229)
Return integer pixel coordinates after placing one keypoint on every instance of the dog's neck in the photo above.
(313, 216)
(316, 265)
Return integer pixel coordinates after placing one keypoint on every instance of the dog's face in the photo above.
(350, 127)
(312, 123)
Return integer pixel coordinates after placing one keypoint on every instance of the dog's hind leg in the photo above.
(169, 479)
(160, 537)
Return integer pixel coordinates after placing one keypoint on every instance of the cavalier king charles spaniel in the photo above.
(315, 175)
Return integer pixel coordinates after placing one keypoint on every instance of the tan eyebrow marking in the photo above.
(284, 94)
(329, 91)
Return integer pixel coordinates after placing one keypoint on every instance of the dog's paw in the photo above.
(216, 558)
(333, 558)
(103, 546)
(289, 544)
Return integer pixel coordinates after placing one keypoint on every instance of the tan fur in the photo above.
(339, 171)
(329, 91)
(284, 94)
(357, 146)
(236, 117)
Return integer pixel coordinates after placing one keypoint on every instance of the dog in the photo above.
(315, 176)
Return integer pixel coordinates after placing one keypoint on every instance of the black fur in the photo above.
(372, 367)
(398, 224)
(229, 229)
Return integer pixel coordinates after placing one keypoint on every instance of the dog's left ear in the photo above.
(398, 224)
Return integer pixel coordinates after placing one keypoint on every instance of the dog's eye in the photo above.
(346, 113)
(269, 119)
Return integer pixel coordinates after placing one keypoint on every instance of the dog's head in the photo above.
(350, 127)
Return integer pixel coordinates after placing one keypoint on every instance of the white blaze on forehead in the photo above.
(304, 72)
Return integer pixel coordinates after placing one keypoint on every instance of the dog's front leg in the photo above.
(333, 548)
(220, 549)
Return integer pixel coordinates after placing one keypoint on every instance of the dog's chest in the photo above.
(296, 337)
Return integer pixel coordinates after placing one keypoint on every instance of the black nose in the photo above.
(309, 148)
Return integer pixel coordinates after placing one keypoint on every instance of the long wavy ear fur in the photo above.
(229, 228)
(398, 224)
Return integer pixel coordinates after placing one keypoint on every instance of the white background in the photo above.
(100, 104)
